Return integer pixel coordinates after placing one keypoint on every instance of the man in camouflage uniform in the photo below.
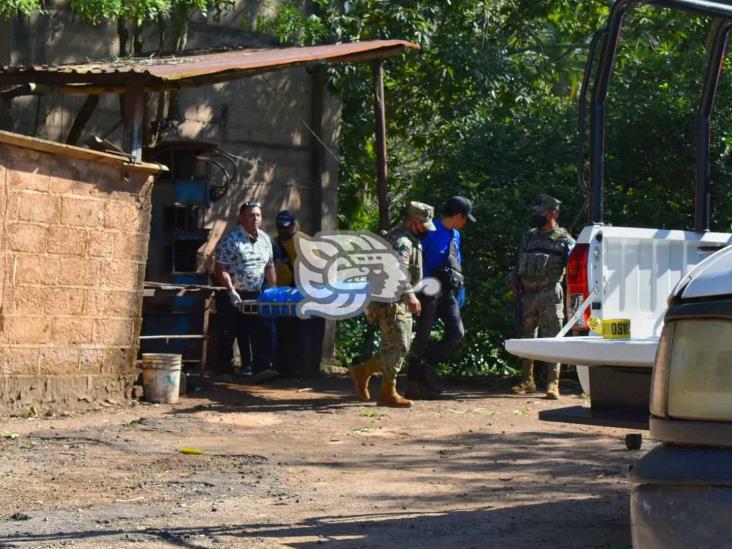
(395, 319)
(537, 281)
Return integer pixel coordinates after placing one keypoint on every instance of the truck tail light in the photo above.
(578, 285)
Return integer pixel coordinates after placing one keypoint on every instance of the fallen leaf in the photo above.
(519, 412)
(192, 451)
(367, 412)
(141, 498)
(11, 436)
(483, 412)
(360, 430)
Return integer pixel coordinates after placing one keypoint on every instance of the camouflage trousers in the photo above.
(395, 322)
(542, 312)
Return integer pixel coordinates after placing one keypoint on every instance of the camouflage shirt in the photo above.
(409, 250)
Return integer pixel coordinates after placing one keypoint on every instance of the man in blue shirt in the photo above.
(442, 259)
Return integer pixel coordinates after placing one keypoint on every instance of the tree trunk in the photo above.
(123, 35)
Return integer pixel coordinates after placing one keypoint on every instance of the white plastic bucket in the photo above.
(161, 377)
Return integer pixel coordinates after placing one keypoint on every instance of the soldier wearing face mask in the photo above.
(537, 282)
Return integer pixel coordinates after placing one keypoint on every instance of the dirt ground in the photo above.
(304, 464)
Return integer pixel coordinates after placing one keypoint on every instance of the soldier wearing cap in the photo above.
(395, 319)
(537, 282)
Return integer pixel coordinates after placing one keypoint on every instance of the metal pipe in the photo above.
(702, 213)
(381, 167)
(701, 7)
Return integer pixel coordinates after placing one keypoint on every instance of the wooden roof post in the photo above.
(381, 168)
(132, 118)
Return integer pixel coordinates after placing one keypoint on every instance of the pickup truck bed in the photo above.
(629, 273)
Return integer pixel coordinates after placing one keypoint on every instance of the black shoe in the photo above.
(430, 378)
(417, 390)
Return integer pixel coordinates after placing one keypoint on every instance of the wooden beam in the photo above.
(71, 89)
(381, 167)
(132, 117)
(82, 117)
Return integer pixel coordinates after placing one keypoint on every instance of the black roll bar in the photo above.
(582, 110)
(702, 196)
(600, 89)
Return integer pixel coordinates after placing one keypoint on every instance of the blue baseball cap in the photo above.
(285, 218)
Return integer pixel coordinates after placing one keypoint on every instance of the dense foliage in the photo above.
(488, 108)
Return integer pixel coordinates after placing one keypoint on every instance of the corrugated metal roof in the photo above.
(205, 68)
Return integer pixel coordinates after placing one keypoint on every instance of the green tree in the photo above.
(488, 109)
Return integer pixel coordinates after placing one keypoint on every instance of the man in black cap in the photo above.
(288, 329)
(285, 250)
(443, 261)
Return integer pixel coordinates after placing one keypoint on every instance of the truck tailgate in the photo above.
(587, 350)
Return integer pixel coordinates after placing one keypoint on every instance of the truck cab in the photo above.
(617, 272)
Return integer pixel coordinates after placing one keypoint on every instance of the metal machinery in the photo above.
(178, 294)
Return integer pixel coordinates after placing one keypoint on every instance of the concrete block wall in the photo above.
(72, 261)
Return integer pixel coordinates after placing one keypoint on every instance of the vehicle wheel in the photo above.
(634, 441)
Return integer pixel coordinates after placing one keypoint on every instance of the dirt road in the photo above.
(290, 467)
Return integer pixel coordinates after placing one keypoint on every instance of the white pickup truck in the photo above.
(624, 272)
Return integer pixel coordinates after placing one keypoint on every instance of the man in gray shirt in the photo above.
(244, 261)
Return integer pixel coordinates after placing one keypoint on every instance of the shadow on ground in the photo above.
(488, 527)
(337, 392)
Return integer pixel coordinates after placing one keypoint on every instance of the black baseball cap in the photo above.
(285, 218)
(461, 205)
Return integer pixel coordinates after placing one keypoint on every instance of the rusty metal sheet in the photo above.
(202, 68)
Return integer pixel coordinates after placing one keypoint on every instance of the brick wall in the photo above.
(72, 263)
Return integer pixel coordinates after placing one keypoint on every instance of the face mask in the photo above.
(538, 221)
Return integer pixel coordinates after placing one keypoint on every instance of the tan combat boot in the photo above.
(527, 385)
(388, 395)
(361, 374)
(552, 382)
